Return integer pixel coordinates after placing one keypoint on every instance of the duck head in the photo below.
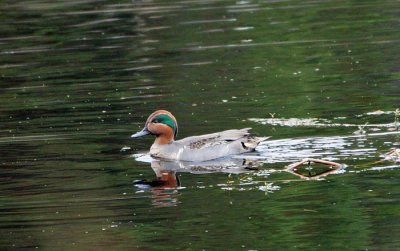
(162, 124)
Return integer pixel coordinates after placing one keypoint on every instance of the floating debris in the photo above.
(269, 188)
(311, 172)
(393, 155)
(360, 130)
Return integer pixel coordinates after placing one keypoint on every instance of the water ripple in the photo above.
(142, 10)
(90, 23)
(226, 46)
(209, 21)
(143, 68)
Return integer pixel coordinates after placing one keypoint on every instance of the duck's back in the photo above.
(209, 146)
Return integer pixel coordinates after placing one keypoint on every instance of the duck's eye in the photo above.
(156, 121)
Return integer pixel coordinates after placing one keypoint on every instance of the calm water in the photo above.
(78, 77)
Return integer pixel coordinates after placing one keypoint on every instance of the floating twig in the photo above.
(333, 167)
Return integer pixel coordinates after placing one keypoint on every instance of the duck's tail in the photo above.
(252, 142)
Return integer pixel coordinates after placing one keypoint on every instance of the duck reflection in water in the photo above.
(165, 187)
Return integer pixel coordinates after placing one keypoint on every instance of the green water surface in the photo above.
(77, 78)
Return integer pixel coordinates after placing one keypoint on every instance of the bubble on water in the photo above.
(125, 148)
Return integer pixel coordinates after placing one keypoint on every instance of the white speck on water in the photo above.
(270, 188)
(227, 188)
(243, 28)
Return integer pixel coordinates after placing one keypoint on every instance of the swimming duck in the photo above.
(164, 126)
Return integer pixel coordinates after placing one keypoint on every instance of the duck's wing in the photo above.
(213, 139)
(216, 145)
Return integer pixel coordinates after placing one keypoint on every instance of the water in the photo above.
(78, 77)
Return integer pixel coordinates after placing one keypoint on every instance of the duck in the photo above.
(164, 126)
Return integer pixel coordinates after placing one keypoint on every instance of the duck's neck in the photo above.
(164, 139)
(164, 133)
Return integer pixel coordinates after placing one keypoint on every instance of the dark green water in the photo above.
(78, 77)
